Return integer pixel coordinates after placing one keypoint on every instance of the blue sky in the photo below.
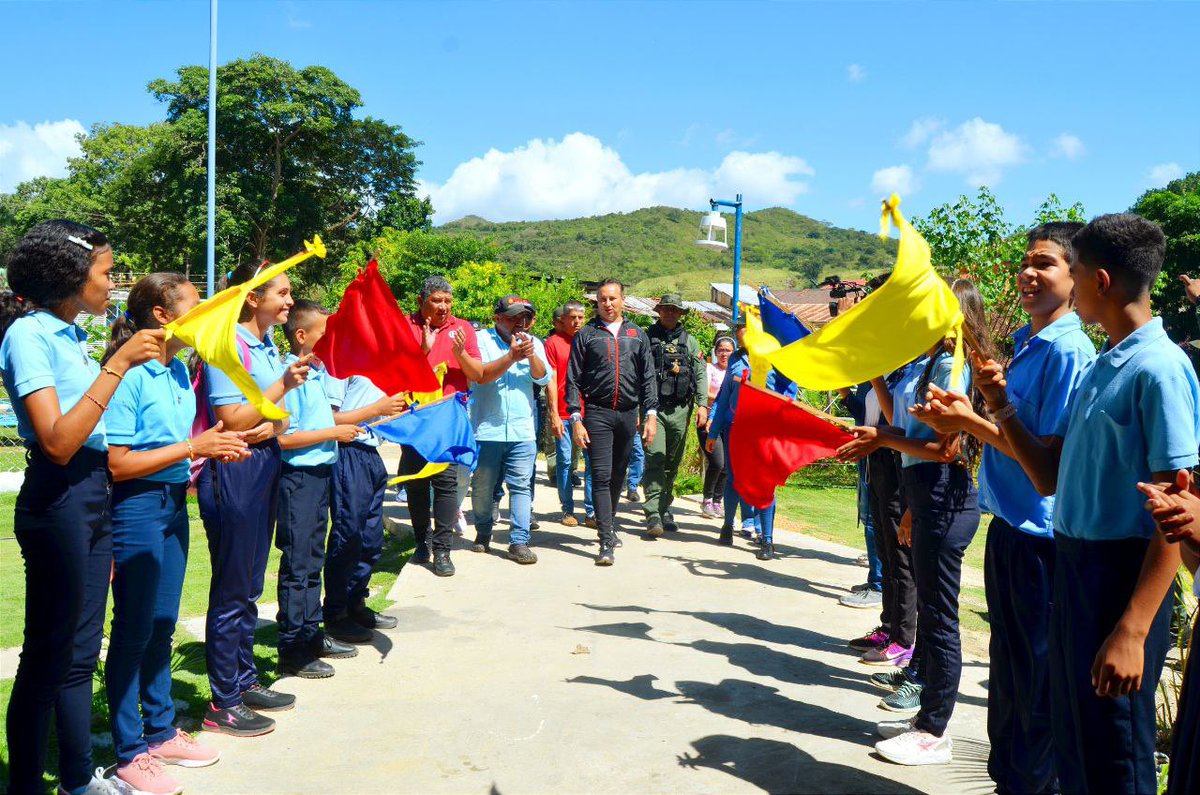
(560, 109)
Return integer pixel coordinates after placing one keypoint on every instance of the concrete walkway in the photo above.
(687, 667)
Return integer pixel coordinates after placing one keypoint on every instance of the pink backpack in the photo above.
(204, 414)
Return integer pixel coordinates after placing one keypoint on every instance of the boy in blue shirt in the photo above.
(1135, 417)
(309, 450)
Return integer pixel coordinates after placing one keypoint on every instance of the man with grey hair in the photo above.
(449, 341)
(568, 319)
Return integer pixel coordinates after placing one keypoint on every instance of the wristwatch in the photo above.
(1007, 411)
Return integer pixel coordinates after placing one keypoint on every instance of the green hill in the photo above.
(653, 249)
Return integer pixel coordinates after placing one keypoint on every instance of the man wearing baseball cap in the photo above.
(503, 413)
(681, 385)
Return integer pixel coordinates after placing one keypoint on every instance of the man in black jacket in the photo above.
(610, 375)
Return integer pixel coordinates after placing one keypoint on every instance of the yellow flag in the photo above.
(760, 345)
(211, 329)
(895, 324)
(424, 399)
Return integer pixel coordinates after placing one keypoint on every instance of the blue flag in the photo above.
(784, 327)
(441, 432)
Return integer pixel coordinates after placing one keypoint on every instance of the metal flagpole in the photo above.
(211, 253)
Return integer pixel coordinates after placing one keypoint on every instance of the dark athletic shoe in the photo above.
(347, 630)
(372, 620)
(303, 665)
(654, 527)
(482, 545)
(605, 558)
(766, 551)
(263, 699)
(420, 555)
(239, 721)
(521, 553)
(442, 566)
(888, 680)
(669, 523)
(726, 537)
(330, 648)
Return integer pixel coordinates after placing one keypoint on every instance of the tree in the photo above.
(1176, 208)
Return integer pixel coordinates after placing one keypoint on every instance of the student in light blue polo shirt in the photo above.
(59, 395)
(237, 504)
(1050, 356)
(310, 448)
(356, 511)
(1135, 417)
(503, 412)
(150, 446)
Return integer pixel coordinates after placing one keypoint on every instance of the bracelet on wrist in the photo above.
(191, 450)
(106, 369)
(101, 406)
(1005, 412)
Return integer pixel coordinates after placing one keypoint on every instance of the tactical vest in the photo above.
(673, 364)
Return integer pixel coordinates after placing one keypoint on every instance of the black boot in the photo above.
(442, 566)
(372, 620)
(726, 537)
(483, 544)
(766, 551)
(420, 554)
(304, 664)
(347, 630)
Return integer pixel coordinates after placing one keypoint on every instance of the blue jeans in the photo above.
(637, 463)
(150, 547)
(512, 461)
(760, 520)
(563, 471)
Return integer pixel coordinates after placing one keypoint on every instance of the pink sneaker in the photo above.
(145, 776)
(891, 654)
(185, 751)
(874, 639)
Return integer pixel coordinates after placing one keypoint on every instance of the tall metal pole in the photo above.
(737, 253)
(211, 253)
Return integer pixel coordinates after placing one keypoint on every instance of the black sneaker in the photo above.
(482, 545)
(304, 665)
(239, 721)
(888, 680)
(521, 553)
(442, 566)
(605, 558)
(264, 699)
(766, 551)
(420, 555)
(347, 630)
(330, 648)
(669, 523)
(372, 620)
(726, 537)
(654, 527)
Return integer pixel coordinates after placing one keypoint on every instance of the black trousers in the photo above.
(1018, 570)
(356, 531)
(1101, 744)
(945, 511)
(899, 614)
(302, 521)
(63, 525)
(237, 504)
(435, 496)
(611, 441)
(1185, 756)
(714, 467)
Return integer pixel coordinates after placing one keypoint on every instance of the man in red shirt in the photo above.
(450, 341)
(568, 319)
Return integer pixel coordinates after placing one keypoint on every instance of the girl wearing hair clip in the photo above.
(237, 504)
(59, 393)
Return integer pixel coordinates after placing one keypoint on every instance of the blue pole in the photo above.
(211, 253)
(737, 254)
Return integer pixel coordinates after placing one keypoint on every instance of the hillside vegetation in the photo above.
(653, 249)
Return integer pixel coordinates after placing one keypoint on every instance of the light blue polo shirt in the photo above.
(1136, 411)
(266, 367)
(41, 351)
(310, 410)
(348, 394)
(154, 407)
(1042, 379)
(905, 396)
(503, 411)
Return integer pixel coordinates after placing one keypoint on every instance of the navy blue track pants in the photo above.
(301, 523)
(356, 533)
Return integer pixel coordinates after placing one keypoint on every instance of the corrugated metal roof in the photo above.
(746, 293)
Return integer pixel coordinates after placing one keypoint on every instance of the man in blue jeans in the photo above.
(568, 319)
(503, 413)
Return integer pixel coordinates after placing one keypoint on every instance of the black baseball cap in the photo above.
(513, 305)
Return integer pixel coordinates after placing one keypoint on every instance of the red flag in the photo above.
(369, 335)
(771, 437)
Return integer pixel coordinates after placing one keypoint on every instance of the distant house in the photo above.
(810, 306)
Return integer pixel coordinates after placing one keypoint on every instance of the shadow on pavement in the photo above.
(737, 570)
(776, 766)
(639, 686)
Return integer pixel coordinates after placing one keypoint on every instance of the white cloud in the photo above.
(1158, 176)
(856, 73)
(580, 176)
(894, 179)
(1067, 146)
(920, 132)
(977, 149)
(40, 150)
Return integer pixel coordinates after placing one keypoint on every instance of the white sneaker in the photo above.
(888, 729)
(461, 527)
(916, 748)
(99, 785)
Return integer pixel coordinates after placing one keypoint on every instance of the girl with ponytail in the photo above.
(149, 424)
(59, 395)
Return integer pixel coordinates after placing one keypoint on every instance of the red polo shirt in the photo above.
(455, 380)
(558, 350)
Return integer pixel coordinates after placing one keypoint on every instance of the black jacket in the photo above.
(614, 372)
